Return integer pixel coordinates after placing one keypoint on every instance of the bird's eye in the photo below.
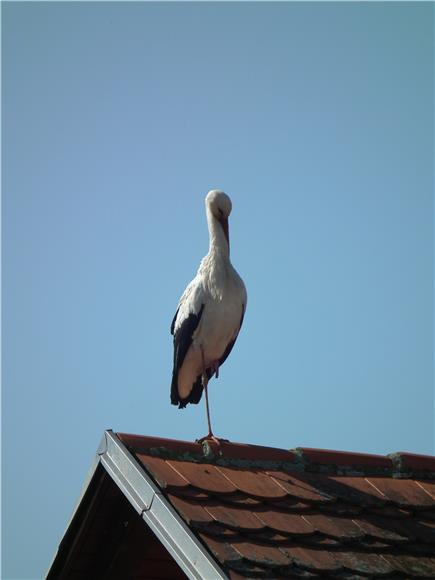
(221, 212)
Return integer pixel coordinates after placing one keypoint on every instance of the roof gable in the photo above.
(244, 511)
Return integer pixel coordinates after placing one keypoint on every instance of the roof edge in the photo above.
(147, 499)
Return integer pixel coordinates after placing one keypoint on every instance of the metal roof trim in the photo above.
(147, 499)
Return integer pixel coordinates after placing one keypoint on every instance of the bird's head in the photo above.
(219, 204)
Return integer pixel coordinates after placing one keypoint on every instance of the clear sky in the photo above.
(117, 119)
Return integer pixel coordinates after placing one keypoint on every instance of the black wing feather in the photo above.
(182, 342)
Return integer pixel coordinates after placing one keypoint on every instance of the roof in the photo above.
(244, 511)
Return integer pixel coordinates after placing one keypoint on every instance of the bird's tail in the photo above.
(194, 395)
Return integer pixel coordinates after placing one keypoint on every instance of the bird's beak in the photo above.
(224, 223)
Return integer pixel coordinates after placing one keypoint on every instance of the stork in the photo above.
(209, 314)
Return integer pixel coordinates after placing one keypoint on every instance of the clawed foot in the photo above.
(211, 437)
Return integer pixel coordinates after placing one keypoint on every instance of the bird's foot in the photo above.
(213, 438)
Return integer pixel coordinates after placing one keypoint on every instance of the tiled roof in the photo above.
(271, 513)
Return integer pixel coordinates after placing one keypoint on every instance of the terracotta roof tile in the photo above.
(234, 517)
(402, 492)
(377, 529)
(374, 565)
(428, 486)
(334, 527)
(262, 554)
(411, 566)
(253, 482)
(299, 486)
(192, 512)
(266, 513)
(203, 476)
(291, 524)
(163, 473)
(313, 558)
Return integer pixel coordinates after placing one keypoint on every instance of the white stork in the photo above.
(209, 314)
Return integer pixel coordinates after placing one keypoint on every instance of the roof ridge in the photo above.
(327, 461)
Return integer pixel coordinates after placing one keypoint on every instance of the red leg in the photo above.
(205, 385)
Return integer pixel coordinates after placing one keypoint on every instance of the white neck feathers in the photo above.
(218, 242)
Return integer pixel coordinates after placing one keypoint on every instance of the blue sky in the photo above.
(118, 118)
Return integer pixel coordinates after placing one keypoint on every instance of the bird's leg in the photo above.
(215, 367)
(205, 385)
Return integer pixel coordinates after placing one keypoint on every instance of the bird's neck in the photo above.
(219, 246)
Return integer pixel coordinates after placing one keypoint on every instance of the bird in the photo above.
(209, 315)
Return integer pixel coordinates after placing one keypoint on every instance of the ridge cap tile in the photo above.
(398, 464)
(406, 461)
(208, 450)
(342, 458)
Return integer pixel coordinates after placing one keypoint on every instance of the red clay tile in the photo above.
(261, 554)
(234, 517)
(191, 493)
(319, 542)
(292, 524)
(390, 511)
(300, 523)
(367, 564)
(428, 486)
(191, 512)
(230, 450)
(317, 560)
(344, 458)
(223, 551)
(340, 508)
(297, 486)
(266, 536)
(414, 461)
(361, 484)
(289, 504)
(163, 472)
(404, 492)
(412, 529)
(346, 489)
(336, 527)
(203, 476)
(252, 482)
(376, 528)
(240, 499)
(144, 445)
(421, 567)
(219, 532)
